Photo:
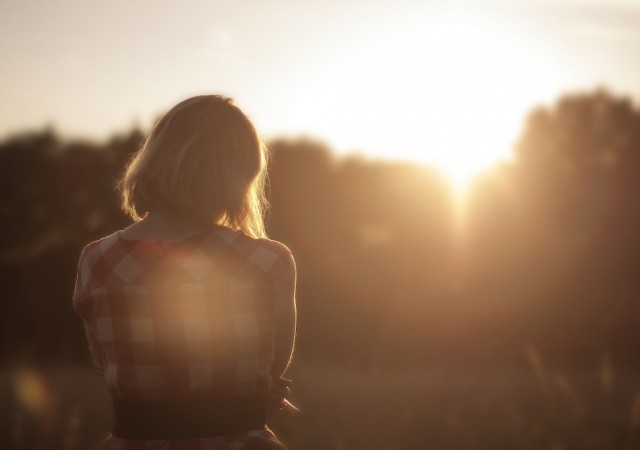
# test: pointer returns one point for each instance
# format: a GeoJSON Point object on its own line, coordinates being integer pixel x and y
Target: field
{"type": "Point", "coordinates": [526, 408]}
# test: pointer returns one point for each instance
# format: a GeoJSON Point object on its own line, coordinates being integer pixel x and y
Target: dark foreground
{"type": "Point", "coordinates": [528, 408]}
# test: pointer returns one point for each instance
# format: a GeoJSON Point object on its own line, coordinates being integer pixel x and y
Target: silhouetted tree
{"type": "Point", "coordinates": [547, 253]}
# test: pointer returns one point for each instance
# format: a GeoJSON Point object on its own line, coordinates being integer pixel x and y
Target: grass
{"type": "Point", "coordinates": [343, 408]}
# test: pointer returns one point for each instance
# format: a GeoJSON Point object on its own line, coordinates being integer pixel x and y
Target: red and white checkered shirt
{"type": "Point", "coordinates": [188, 318]}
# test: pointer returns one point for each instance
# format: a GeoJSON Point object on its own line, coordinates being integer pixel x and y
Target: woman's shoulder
{"type": "Point", "coordinates": [276, 260]}
{"type": "Point", "coordinates": [268, 252]}
{"type": "Point", "coordinates": [274, 246]}
{"type": "Point", "coordinates": [97, 246]}
{"type": "Point", "coordinates": [270, 255]}
{"type": "Point", "coordinates": [88, 265]}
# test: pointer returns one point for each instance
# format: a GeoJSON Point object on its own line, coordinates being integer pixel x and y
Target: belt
{"type": "Point", "coordinates": [187, 418]}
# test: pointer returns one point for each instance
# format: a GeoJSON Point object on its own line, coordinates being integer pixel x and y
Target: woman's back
{"type": "Point", "coordinates": [173, 317]}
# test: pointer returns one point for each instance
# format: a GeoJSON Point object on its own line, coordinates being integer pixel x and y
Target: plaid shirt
{"type": "Point", "coordinates": [190, 318]}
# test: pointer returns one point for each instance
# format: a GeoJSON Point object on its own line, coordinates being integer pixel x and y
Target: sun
{"type": "Point", "coordinates": [451, 92]}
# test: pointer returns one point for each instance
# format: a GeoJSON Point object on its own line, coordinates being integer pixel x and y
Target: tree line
{"type": "Point", "coordinates": [546, 252]}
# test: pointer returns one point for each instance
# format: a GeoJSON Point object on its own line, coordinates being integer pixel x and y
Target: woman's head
{"type": "Point", "coordinates": [204, 161]}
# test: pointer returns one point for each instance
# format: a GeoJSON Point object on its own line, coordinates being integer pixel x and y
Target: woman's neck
{"type": "Point", "coordinates": [163, 224]}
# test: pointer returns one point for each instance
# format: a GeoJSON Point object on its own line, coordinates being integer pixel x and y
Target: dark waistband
{"type": "Point", "coordinates": [187, 418]}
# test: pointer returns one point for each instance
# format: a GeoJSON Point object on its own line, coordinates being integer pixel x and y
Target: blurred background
{"type": "Point", "coordinates": [458, 182]}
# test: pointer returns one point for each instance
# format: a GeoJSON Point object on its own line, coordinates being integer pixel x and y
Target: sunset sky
{"type": "Point", "coordinates": [419, 80]}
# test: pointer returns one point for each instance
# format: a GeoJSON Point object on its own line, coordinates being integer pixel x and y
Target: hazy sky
{"type": "Point", "coordinates": [357, 74]}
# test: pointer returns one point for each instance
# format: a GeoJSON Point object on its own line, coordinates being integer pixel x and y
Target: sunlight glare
{"type": "Point", "coordinates": [452, 93]}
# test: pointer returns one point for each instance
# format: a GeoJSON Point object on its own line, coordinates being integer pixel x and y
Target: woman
{"type": "Point", "coordinates": [190, 312]}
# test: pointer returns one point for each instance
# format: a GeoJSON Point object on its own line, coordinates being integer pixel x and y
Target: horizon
{"type": "Point", "coordinates": [389, 81]}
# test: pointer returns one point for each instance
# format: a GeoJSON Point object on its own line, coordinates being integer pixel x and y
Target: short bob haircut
{"type": "Point", "coordinates": [204, 161]}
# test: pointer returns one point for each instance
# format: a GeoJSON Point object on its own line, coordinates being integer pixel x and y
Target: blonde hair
{"type": "Point", "coordinates": [203, 160]}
